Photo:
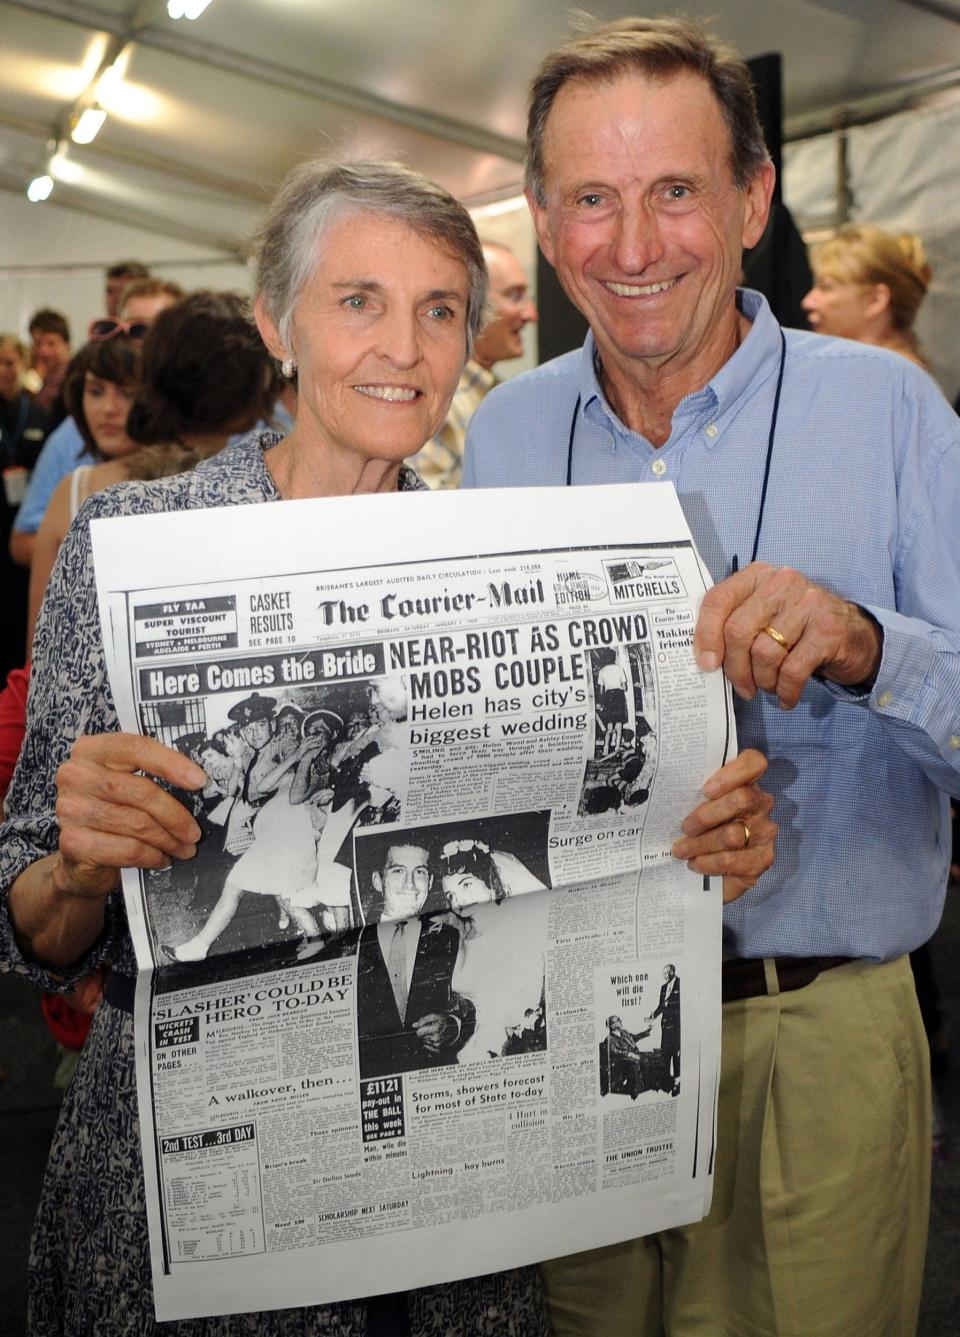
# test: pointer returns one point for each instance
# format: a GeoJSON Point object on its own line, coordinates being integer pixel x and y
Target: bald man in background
{"type": "Point", "coordinates": [440, 461]}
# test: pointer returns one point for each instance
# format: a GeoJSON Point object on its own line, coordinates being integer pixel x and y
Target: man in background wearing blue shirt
{"type": "Point", "coordinates": [63, 450]}
{"type": "Point", "coordinates": [838, 466]}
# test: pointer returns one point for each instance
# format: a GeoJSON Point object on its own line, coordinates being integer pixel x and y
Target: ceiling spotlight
{"type": "Point", "coordinates": [88, 125]}
{"type": "Point", "coordinates": [186, 9]}
{"type": "Point", "coordinates": [40, 188]}
{"type": "Point", "coordinates": [108, 85]}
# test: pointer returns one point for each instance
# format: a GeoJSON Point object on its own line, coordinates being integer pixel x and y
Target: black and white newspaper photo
{"type": "Point", "coordinates": [413, 1011]}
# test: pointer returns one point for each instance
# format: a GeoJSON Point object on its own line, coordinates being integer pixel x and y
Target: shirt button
{"type": "Point", "coordinates": [955, 740]}
{"type": "Point", "coordinates": [712, 430]}
{"type": "Point", "coordinates": [659, 467]}
{"type": "Point", "coordinates": [884, 699]}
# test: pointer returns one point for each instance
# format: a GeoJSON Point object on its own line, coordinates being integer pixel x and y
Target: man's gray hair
{"type": "Point", "coordinates": [317, 194]}
{"type": "Point", "coordinates": [658, 49]}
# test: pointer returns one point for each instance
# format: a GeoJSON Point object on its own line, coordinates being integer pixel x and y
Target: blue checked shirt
{"type": "Point", "coordinates": [864, 498]}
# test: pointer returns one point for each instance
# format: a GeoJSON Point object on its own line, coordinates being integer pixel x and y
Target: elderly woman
{"type": "Point", "coordinates": [370, 284]}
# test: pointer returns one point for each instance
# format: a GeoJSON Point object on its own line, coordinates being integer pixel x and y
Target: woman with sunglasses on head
{"type": "Point", "coordinates": [205, 375]}
{"type": "Point", "coordinates": [143, 299]}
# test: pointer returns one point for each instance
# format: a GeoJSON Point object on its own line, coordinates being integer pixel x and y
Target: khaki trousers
{"type": "Point", "coordinates": [822, 1179]}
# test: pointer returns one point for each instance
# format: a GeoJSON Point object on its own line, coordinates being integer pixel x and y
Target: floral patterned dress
{"type": "Point", "coordinates": [90, 1268]}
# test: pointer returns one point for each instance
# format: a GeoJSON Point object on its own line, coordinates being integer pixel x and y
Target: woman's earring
{"type": "Point", "coordinates": [288, 367]}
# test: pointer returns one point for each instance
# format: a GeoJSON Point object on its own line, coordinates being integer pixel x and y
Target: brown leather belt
{"type": "Point", "coordinates": [742, 978]}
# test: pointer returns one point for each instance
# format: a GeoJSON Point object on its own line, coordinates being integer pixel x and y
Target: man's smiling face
{"type": "Point", "coordinates": [643, 221]}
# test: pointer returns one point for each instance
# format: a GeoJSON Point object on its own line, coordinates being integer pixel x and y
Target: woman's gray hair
{"type": "Point", "coordinates": [317, 194]}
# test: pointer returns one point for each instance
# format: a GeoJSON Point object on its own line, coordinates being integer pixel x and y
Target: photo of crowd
{"type": "Point", "coordinates": [290, 775]}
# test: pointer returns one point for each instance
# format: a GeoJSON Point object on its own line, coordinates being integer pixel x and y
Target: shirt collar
{"type": "Point", "coordinates": [475, 375]}
{"type": "Point", "coordinates": [756, 358]}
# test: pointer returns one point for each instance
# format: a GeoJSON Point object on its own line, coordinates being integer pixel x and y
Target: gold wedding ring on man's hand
{"type": "Point", "coordinates": [746, 833]}
{"type": "Point", "coordinates": [777, 636]}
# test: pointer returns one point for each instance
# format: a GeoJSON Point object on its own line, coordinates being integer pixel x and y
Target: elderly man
{"type": "Point", "coordinates": [624, 1067]}
{"type": "Point", "coordinates": [440, 461]}
{"type": "Point", "coordinates": [838, 465]}
{"type": "Point", "coordinates": [408, 1016]}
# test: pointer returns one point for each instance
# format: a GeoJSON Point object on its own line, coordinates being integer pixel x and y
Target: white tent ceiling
{"type": "Point", "coordinates": [206, 116]}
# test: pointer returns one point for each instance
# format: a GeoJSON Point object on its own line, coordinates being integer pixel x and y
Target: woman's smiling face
{"type": "Point", "coordinates": [379, 338]}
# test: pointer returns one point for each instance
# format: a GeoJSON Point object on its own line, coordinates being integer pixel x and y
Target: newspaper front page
{"type": "Point", "coordinates": [413, 1012]}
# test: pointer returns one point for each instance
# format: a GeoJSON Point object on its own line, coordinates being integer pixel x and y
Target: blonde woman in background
{"type": "Point", "coordinates": [868, 286]}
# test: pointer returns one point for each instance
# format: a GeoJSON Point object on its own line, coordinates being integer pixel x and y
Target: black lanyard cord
{"type": "Point", "coordinates": [572, 434]}
{"type": "Point", "coordinates": [769, 460]}
{"type": "Point", "coordinates": [767, 463]}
